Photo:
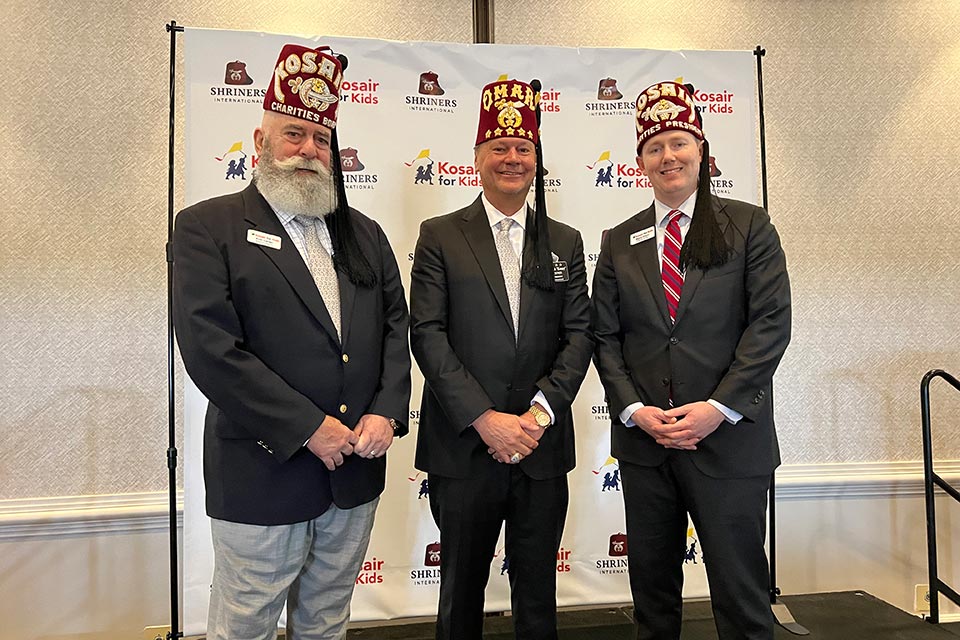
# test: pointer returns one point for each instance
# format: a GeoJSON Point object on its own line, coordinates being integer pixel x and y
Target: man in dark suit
{"type": "Point", "coordinates": [691, 309]}
{"type": "Point", "coordinates": [500, 329]}
{"type": "Point", "coordinates": [291, 320]}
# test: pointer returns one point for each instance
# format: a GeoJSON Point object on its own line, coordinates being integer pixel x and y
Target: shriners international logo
{"type": "Point", "coordinates": [721, 186]}
{"type": "Point", "coordinates": [609, 100]}
{"type": "Point", "coordinates": [238, 89]}
{"type": "Point", "coordinates": [610, 470]}
{"type": "Point", "coordinates": [440, 173]}
{"type": "Point", "coordinates": [621, 175]}
{"type": "Point", "coordinates": [371, 572]}
{"type": "Point", "coordinates": [616, 562]}
{"type": "Point", "coordinates": [236, 73]}
{"type": "Point", "coordinates": [236, 159]}
{"type": "Point", "coordinates": [430, 84]}
{"type": "Point", "coordinates": [430, 574]}
{"type": "Point", "coordinates": [428, 96]}
{"type": "Point", "coordinates": [354, 174]}
{"type": "Point", "coordinates": [607, 90]}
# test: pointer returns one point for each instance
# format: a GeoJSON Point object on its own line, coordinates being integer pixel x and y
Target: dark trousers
{"type": "Point", "coordinates": [730, 518]}
{"type": "Point", "coordinates": [469, 513]}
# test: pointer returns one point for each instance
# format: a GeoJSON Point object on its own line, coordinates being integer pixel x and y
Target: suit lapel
{"type": "Point", "coordinates": [645, 253]}
{"type": "Point", "coordinates": [477, 232]}
{"type": "Point", "coordinates": [287, 259]}
{"type": "Point", "coordinates": [693, 276]}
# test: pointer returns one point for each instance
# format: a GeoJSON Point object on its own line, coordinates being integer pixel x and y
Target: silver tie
{"type": "Point", "coordinates": [510, 265]}
{"type": "Point", "coordinates": [320, 263]}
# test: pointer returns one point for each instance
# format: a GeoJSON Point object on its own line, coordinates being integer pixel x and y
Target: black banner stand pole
{"type": "Point", "coordinates": [174, 633]}
{"type": "Point", "coordinates": [780, 612]}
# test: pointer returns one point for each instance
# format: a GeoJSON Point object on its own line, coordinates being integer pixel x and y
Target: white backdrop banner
{"type": "Point", "coordinates": [406, 128]}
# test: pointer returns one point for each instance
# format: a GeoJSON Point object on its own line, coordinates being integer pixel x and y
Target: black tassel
{"type": "Point", "coordinates": [348, 258]}
{"type": "Point", "coordinates": [704, 247]}
{"type": "Point", "coordinates": [539, 274]}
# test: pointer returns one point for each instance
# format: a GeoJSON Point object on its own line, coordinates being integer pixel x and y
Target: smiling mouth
{"type": "Point", "coordinates": [671, 170]}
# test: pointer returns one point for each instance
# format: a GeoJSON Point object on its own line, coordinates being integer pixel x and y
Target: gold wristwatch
{"type": "Point", "coordinates": [542, 417]}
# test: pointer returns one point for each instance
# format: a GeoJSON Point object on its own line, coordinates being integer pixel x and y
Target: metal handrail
{"type": "Point", "coordinates": [930, 478]}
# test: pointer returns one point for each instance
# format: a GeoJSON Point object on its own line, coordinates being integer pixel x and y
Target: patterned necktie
{"type": "Point", "coordinates": [510, 265]}
{"type": "Point", "coordinates": [320, 263]}
{"type": "Point", "coordinates": [670, 266]}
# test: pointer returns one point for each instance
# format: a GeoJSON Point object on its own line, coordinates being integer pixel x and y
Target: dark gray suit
{"type": "Point", "coordinates": [732, 327]}
{"type": "Point", "coordinates": [257, 340]}
{"type": "Point", "coordinates": [463, 340]}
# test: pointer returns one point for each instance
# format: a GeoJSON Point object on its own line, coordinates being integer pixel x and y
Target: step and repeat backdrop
{"type": "Point", "coordinates": [407, 124]}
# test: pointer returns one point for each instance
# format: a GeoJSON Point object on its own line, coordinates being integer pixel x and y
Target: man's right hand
{"type": "Point", "coordinates": [653, 420]}
{"type": "Point", "coordinates": [331, 442]}
{"type": "Point", "coordinates": [503, 433]}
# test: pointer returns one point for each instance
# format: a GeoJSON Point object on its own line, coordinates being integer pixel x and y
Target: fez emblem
{"type": "Point", "coordinates": [509, 117]}
{"type": "Point", "coordinates": [313, 93]}
{"type": "Point", "coordinates": [664, 110]}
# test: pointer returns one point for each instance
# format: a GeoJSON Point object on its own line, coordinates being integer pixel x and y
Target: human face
{"type": "Point", "coordinates": [507, 168]}
{"type": "Point", "coordinates": [289, 137]}
{"type": "Point", "coordinates": [671, 161]}
{"type": "Point", "coordinates": [299, 182]}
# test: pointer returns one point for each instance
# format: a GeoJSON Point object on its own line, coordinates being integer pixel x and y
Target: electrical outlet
{"type": "Point", "coordinates": [156, 633]}
{"type": "Point", "coordinates": [921, 599]}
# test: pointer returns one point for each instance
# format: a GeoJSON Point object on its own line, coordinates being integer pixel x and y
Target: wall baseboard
{"type": "Point", "coordinates": [87, 515]}
{"type": "Point", "coordinates": [147, 512]}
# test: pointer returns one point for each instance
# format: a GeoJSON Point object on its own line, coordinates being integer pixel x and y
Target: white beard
{"type": "Point", "coordinates": [294, 192]}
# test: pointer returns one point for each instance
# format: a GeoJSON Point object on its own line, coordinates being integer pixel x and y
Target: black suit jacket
{"type": "Point", "coordinates": [256, 338]}
{"type": "Point", "coordinates": [462, 338]}
{"type": "Point", "coordinates": [732, 327]}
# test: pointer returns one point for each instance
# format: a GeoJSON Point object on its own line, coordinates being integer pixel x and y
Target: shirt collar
{"type": "Point", "coordinates": [494, 215]}
{"type": "Point", "coordinates": [662, 210]}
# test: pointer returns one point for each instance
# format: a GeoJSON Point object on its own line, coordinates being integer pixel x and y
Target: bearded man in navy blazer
{"type": "Point", "coordinates": [691, 309]}
{"type": "Point", "coordinates": [500, 328]}
{"type": "Point", "coordinates": [291, 320]}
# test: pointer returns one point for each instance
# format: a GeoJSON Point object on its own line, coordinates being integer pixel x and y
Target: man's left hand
{"type": "Point", "coordinates": [695, 421]}
{"type": "Point", "coordinates": [375, 436]}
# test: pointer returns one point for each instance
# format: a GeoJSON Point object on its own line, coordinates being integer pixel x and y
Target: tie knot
{"type": "Point", "coordinates": [504, 225]}
{"type": "Point", "coordinates": [674, 216]}
{"type": "Point", "coordinates": [305, 221]}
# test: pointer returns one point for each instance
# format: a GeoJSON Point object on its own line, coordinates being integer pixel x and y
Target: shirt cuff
{"type": "Point", "coordinates": [542, 401]}
{"type": "Point", "coordinates": [625, 415]}
{"type": "Point", "coordinates": [731, 416]}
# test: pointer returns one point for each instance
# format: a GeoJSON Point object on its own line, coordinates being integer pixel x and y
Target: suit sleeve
{"type": "Point", "coordinates": [605, 313]}
{"type": "Point", "coordinates": [561, 384]}
{"type": "Point", "coordinates": [210, 336]}
{"type": "Point", "coordinates": [393, 392]}
{"type": "Point", "coordinates": [460, 394]}
{"type": "Point", "coordinates": [767, 334]}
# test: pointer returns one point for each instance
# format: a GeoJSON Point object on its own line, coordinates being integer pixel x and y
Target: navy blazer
{"type": "Point", "coordinates": [256, 338]}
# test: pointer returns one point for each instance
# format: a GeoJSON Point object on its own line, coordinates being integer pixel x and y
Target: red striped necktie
{"type": "Point", "coordinates": [670, 266]}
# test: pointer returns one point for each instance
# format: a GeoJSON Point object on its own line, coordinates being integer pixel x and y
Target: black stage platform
{"type": "Point", "coordinates": [848, 615]}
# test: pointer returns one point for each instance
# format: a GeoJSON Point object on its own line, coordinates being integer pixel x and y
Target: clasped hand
{"type": "Point", "coordinates": [333, 440]}
{"type": "Point", "coordinates": [506, 434]}
{"type": "Point", "coordinates": [681, 427]}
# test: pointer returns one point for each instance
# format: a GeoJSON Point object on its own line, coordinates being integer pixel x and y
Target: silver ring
{"type": "Point", "coordinates": [373, 454]}
{"type": "Point", "coordinates": [515, 458]}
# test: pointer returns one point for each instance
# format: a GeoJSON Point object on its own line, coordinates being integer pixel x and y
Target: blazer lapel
{"type": "Point", "coordinates": [692, 278]}
{"type": "Point", "coordinates": [287, 259]}
{"type": "Point", "coordinates": [477, 232]}
{"type": "Point", "coordinates": [645, 253]}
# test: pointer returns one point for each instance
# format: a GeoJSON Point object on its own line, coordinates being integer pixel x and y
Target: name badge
{"type": "Point", "coordinates": [560, 271]}
{"type": "Point", "coordinates": [641, 236]}
{"type": "Point", "coordinates": [263, 239]}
